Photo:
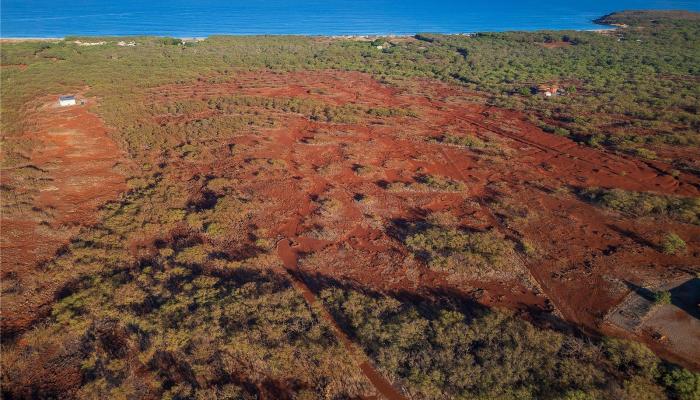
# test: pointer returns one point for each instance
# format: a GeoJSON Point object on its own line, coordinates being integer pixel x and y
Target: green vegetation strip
{"type": "Point", "coordinates": [641, 204]}
{"type": "Point", "coordinates": [442, 352]}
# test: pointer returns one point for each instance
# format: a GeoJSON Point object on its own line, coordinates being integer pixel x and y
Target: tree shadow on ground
{"type": "Point", "coordinates": [646, 294]}
{"type": "Point", "coordinates": [632, 235]}
{"type": "Point", "coordinates": [431, 301]}
{"type": "Point", "coordinates": [686, 296]}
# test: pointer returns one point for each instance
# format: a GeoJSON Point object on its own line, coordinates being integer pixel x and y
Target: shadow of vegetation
{"type": "Point", "coordinates": [430, 302]}
{"type": "Point", "coordinates": [632, 235]}
{"type": "Point", "coordinates": [204, 200]}
{"type": "Point", "coordinates": [643, 292]}
{"type": "Point", "coordinates": [401, 228]}
{"type": "Point", "coordinates": [686, 296]}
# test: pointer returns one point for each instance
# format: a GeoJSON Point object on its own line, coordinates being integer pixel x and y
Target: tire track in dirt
{"type": "Point", "coordinates": [672, 186]}
{"type": "Point", "coordinates": [287, 252]}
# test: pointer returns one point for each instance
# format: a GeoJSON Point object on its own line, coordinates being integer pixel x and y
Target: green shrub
{"type": "Point", "coordinates": [440, 183]}
{"type": "Point", "coordinates": [683, 209]}
{"type": "Point", "coordinates": [454, 250]}
{"type": "Point", "coordinates": [561, 132]}
{"type": "Point", "coordinates": [632, 358]}
{"type": "Point", "coordinates": [672, 244]}
{"type": "Point", "coordinates": [470, 141]}
{"type": "Point", "coordinates": [662, 297]}
{"type": "Point", "coordinates": [527, 248]}
{"type": "Point", "coordinates": [681, 383]}
{"type": "Point", "coordinates": [192, 255]}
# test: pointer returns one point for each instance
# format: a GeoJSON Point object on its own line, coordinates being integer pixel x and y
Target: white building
{"type": "Point", "coordinates": [64, 101]}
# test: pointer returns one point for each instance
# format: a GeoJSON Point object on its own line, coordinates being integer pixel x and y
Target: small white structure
{"type": "Point", "coordinates": [65, 101]}
{"type": "Point", "coordinates": [81, 43]}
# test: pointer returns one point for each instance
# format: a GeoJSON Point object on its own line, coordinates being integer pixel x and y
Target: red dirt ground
{"type": "Point", "coordinates": [519, 185]}
{"type": "Point", "coordinates": [556, 45]}
{"type": "Point", "coordinates": [21, 67]}
{"type": "Point", "coordinates": [75, 161]}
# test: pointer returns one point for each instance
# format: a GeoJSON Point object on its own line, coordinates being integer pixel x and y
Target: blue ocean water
{"type": "Point", "coordinates": [183, 18]}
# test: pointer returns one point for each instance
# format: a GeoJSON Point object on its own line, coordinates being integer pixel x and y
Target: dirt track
{"type": "Point", "coordinates": [288, 254]}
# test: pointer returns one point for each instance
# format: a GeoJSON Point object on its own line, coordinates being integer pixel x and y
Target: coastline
{"type": "Point", "coordinates": [602, 27]}
{"type": "Point", "coordinates": [359, 37]}
{"type": "Point", "coordinates": [30, 39]}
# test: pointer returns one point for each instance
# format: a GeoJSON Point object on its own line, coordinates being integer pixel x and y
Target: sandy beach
{"type": "Point", "coordinates": [30, 39]}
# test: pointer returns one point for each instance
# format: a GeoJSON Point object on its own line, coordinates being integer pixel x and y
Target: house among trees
{"type": "Point", "coordinates": [65, 101]}
{"type": "Point", "coordinates": [550, 90]}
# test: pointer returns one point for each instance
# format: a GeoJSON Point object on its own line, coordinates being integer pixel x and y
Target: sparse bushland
{"type": "Point", "coordinates": [611, 94]}
{"type": "Point", "coordinates": [470, 141]}
{"type": "Point", "coordinates": [391, 112]}
{"type": "Point", "coordinates": [647, 80]}
{"type": "Point", "coordinates": [683, 209]}
{"type": "Point", "coordinates": [362, 170]}
{"type": "Point", "coordinates": [171, 293]}
{"type": "Point", "coordinates": [439, 352]}
{"type": "Point", "coordinates": [167, 308]}
{"type": "Point", "coordinates": [440, 183]}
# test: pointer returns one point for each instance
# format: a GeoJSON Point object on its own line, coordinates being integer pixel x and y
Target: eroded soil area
{"type": "Point", "coordinates": [73, 167]}
{"type": "Point", "coordinates": [346, 192]}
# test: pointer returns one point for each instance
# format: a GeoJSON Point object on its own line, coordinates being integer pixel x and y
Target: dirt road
{"type": "Point", "coordinates": [288, 255]}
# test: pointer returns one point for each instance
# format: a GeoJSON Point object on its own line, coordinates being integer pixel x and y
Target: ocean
{"type": "Point", "coordinates": [181, 18]}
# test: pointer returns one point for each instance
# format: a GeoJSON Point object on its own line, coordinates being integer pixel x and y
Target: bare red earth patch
{"type": "Point", "coordinates": [72, 169]}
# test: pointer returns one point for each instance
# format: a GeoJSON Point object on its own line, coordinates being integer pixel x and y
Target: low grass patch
{"type": "Point", "coordinates": [662, 297]}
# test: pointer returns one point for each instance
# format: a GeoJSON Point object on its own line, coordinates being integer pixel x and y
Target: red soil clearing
{"type": "Point", "coordinates": [332, 193]}
{"type": "Point", "coordinates": [556, 45]}
{"type": "Point", "coordinates": [76, 159]}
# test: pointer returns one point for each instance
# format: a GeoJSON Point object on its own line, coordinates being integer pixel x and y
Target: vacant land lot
{"type": "Point", "coordinates": [336, 222]}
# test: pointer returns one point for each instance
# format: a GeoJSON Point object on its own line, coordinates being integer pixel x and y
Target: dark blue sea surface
{"type": "Point", "coordinates": [44, 18]}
